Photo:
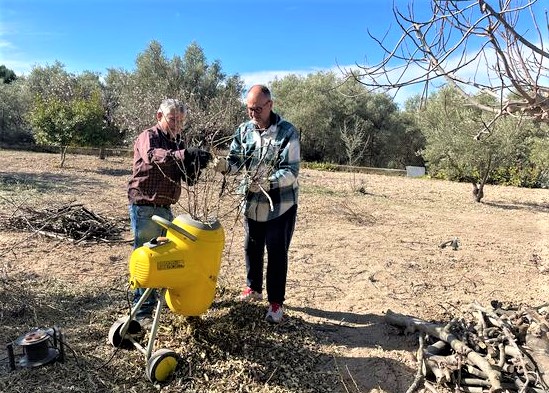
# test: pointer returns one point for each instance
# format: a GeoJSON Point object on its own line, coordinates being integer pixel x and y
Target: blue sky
{"type": "Point", "coordinates": [257, 39]}
{"type": "Point", "coordinates": [254, 38]}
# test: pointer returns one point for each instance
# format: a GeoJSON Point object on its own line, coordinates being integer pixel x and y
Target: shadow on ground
{"type": "Point", "coordinates": [44, 182]}
{"type": "Point", "coordinates": [369, 339]}
{"type": "Point", "coordinates": [541, 208]}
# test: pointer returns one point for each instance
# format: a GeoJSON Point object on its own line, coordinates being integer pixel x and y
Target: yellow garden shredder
{"type": "Point", "coordinates": [183, 268]}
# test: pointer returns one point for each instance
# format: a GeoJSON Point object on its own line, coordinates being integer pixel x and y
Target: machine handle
{"type": "Point", "coordinates": [170, 225]}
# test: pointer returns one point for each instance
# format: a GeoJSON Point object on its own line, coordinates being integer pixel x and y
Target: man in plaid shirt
{"type": "Point", "coordinates": [161, 162]}
{"type": "Point", "coordinates": [267, 149]}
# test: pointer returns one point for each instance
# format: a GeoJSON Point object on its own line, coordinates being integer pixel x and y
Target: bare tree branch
{"type": "Point", "coordinates": [474, 46]}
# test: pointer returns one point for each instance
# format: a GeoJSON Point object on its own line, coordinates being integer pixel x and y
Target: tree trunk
{"type": "Point", "coordinates": [478, 192]}
{"type": "Point", "coordinates": [63, 155]}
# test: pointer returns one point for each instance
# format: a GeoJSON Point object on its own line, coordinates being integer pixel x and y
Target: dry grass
{"type": "Point", "coordinates": [354, 255]}
{"type": "Point", "coordinates": [228, 349]}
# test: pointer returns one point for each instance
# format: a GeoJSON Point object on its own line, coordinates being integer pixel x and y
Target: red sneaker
{"type": "Point", "coordinates": [249, 295]}
{"type": "Point", "coordinates": [275, 313]}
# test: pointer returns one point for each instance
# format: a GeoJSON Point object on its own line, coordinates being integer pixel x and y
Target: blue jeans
{"type": "Point", "coordinates": [144, 229]}
{"type": "Point", "coordinates": [276, 236]}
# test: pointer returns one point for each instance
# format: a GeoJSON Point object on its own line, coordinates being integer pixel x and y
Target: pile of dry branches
{"type": "Point", "coordinates": [487, 350]}
{"type": "Point", "coordinates": [72, 222]}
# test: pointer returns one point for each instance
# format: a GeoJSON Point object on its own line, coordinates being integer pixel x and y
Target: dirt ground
{"type": "Point", "coordinates": [353, 257]}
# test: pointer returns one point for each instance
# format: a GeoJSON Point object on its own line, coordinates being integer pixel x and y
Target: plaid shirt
{"type": "Point", "coordinates": [157, 169]}
{"type": "Point", "coordinates": [272, 154]}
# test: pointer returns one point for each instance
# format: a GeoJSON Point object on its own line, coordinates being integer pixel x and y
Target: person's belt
{"type": "Point", "coordinates": [155, 205]}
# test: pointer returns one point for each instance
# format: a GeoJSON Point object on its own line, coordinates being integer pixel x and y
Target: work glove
{"type": "Point", "coordinates": [260, 185]}
{"type": "Point", "coordinates": [191, 174]}
{"type": "Point", "coordinates": [220, 164]}
{"type": "Point", "coordinates": [193, 156]}
{"type": "Point", "coordinates": [194, 160]}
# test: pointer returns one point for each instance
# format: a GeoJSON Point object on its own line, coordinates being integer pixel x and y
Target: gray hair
{"type": "Point", "coordinates": [169, 105]}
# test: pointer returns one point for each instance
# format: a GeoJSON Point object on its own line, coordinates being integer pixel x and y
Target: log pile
{"type": "Point", "coordinates": [72, 222]}
{"type": "Point", "coordinates": [488, 349]}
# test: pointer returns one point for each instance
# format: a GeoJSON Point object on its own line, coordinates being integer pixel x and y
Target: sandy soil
{"type": "Point", "coordinates": [354, 255]}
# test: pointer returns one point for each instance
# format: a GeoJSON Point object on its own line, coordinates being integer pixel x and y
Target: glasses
{"type": "Point", "coordinates": [257, 109]}
{"type": "Point", "coordinates": [174, 119]}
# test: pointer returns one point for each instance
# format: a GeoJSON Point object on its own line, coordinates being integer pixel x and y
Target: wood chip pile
{"type": "Point", "coordinates": [493, 349]}
{"type": "Point", "coordinates": [72, 222]}
{"type": "Point", "coordinates": [229, 349]}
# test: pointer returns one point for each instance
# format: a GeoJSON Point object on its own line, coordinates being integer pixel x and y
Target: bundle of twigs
{"type": "Point", "coordinates": [487, 350]}
{"type": "Point", "coordinates": [72, 222]}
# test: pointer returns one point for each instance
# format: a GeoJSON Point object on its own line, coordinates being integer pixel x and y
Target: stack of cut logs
{"type": "Point", "coordinates": [488, 349]}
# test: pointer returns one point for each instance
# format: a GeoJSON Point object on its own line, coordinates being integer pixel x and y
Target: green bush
{"type": "Point", "coordinates": [529, 176]}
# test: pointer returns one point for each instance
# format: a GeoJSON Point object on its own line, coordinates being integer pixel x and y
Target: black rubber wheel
{"type": "Point", "coordinates": [114, 333]}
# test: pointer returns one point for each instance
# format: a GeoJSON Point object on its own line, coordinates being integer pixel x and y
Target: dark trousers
{"type": "Point", "coordinates": [276, 236]}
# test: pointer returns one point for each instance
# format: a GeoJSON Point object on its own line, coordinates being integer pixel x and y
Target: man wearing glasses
{"type": "Point", "coordinates": [267, 149]}
{"type": "Point", "coordinates": [160, 164]}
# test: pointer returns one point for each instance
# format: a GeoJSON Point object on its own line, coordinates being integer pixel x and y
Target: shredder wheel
{"type": "Point", "coordinates": [161, 365]}
{"type": "Point", "coordinates": [114, 333]}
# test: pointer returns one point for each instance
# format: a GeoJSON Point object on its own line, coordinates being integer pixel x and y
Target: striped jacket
{"type": "Point", "coordinates": [273, 154]}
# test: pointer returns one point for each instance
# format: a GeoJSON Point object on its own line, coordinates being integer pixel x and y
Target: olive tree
{"type": "Point", "coordinates": [213, 98]}
{"type": "Point", "coordinates": [339, 118]}
{"type": "Point", "coordinates": [66, 109]}
{"type": "Point", "coordinates": [14, 104]}
{"type": "Point", "coordinates": [7, 75]}
{"type": "Point", "coordinates": [449, 124]}
{"type": "Point", "coordinates": [312, 104]}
